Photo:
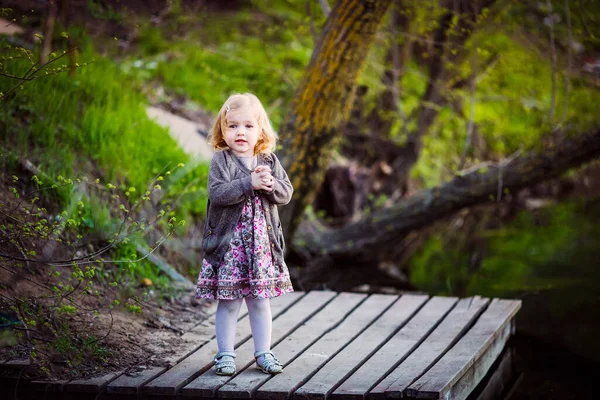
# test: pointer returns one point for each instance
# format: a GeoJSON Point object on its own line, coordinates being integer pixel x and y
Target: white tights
{"type": "Point", "coordinates": [259, 311]}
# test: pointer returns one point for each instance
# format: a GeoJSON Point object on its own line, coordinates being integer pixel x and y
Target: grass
{"type": "Point", "coordinates": [265, 53]}
{"type": "Point", "coordinates": [94, 125]}
{"type": "Point", "coordinates": [98, 114]}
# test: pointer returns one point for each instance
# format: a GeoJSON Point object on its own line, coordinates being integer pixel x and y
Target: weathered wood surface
{"type": "Point", "coordinates": [397, 348]}
{"type": "Point", "coordinates": [189, 368]}
{"type": "Point", "coordinates": [243, 385]}
{"type": "Point", "coordinates": [445, 336]}
{"type": "Point", "coordinates": [130, 383]}
{"type": "Point", "coordinates": [16, 364]}
{"type": "Point", "coordinates": [337, 345]}
{"type": "Point", "coordinates": [502, 380]}
{"type": "Point", "coordinates": [93, 385]}
{"type": "Point", "coordinates": [207, 384]}
{"type": "Point", "coordinates": [475, 349]}
{"type": "Point", "coordinates": [302, 368]}
{"type": "Point", "coordinates": [48, 386]}
{"type": "Point", "coordinates": [353, 355]}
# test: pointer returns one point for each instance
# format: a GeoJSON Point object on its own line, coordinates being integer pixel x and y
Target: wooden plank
{"type": "Point", "coordinates": [452, 328]}
{"type": "Point", "coordinates": [303, 367]}
{"type": "Point", "coordinates": [93, 385]}
{"type": "Point", "coordinates": [352, 356]}
{"type": "Point", "coordinates": [503, 378]}
{"type": "Point", "coordinates": [16, 364]}
{"type": "Point", "coordinates": [207, 384]}
{"type": "Point", "coordinates": [475, 374]}
{"type": "Point", "coordinates": [48, 386]}
{"type": "Point", "coordinates": [396, 349]}
{"type": "Point", "coordinates": [244, 384]}
{"type": "Point", "coordinates": [490, 332]}
{"type": "Point", "coordinates": [14, 369]}
{"type": "Point", "coordinates": [198, 362]}
{"type": "Point", "coordinates": [131, 383]}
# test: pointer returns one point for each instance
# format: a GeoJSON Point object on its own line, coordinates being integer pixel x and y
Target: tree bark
{"type": "Point", "coordinates": [375, 234]}
{"type": "Point", "coordinates": [48, 31]}
{"type": "Point", "coordinates": [388, 107]}
{"type": "Point", "coordinates": [324, 98]}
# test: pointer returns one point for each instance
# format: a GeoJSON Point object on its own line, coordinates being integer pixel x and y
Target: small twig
{"type": "Point", "coordinates": [14, 20]}
{"type": "Point", "coordinates": [112, 320]}
{"type": "Point", "coordinates": [472, 102]}
{"type": "Point", "coordinates": [22, 250]}
{"type": "Point", "coordinates": [15, 77]}
{"type": "Point", "coordinates": [313, 28]}
{"type": "Point", "coordinates": [325, 7]}
{"type": "Point", "coordinates": [485, 164]}
{"type": "Point", "coordinates": [31, 73]}
{"type": "Point", "coordinates": [501, 165]}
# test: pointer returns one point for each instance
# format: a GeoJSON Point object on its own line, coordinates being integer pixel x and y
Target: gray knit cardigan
{"type": "Point", "coordinates": [229, 185]}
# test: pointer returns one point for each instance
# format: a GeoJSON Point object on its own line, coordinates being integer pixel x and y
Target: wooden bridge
{"type": "Point", "coordinates": [334, 345]}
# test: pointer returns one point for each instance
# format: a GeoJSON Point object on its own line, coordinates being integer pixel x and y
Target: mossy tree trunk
{"type": "Point", "coordinates": [324, 99]}
{"type": "Point", "coordinates": [363, 242]}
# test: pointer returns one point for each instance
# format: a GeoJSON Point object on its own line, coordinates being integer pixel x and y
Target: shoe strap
{"type": "Point", "coordinates": [262, 353]}
{"type": "Point", "coordinates": [225, 354]}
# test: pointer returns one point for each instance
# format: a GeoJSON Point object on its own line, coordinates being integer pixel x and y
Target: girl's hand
{"type": "Point", "coordinates": [262, 178]}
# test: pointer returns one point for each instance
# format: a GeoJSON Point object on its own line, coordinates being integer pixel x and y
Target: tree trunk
{"type": "Point", "coordinates": [48, 31]}
{"type": "Point", "coordinates": [323, 100]}
{"type": "Point", "coordinates": [454, 28]}
{"type": "Point", "coordinates": [388, 107]}
{"type": "Point", "coordinates": [361, 242]}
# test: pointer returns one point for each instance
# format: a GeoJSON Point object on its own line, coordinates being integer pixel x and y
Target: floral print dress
{"type": "Point", "coordinates": [247, 268]}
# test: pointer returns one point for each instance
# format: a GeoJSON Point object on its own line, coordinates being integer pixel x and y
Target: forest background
{"type": "Point", "coordinates": [422, 173]}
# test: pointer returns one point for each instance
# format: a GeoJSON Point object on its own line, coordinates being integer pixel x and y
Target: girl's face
{"type": "Point", "coordinates": [241, 132]}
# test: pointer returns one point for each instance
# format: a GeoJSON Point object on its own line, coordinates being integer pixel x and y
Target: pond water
{"type": "Point", "coordinates": [550, 259]}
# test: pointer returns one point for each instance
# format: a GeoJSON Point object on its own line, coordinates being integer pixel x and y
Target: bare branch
{"type": "Point", "coordinates": [15, 77]}
{"type": "Point", "coordinates": [30, 74]}
{"type": "Point", "coordinates": [313, 28]}
{"type": "Point", "coordinates": [472, 102]}
{"type": "Point", "coordinates": [396, 71]}
{"type": "Point", "coordinates": [48, 31]}
{"type": "Point", "coordinates": [325, 7]}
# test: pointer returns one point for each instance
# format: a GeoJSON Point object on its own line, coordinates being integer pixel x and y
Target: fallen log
{"type": "Point", "coordinates": [376, 233]}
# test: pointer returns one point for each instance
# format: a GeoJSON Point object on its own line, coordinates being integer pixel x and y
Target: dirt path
{"type": "Point", "coordinates": [8, 28]}
{"type": "Point", "coordinates": [184, 131]}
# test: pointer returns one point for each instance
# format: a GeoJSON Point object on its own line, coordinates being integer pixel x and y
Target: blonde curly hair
{"type": "Point", "coordinates": [267, 138]}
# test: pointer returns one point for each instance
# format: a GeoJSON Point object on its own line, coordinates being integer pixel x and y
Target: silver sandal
{"type": "Point", "coordinates": [225, 363]}
{"type": "Point", "coordinates": [270, 365]}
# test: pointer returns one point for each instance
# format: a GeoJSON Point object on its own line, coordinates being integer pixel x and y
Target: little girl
{"type": "Point", "coordinates": [243, 242]}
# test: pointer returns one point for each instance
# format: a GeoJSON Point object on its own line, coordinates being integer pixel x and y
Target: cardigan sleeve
{"type": "Point", "coordinates": [282, 187]}
{"type": "Point", "coordinates": [222, 190]}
